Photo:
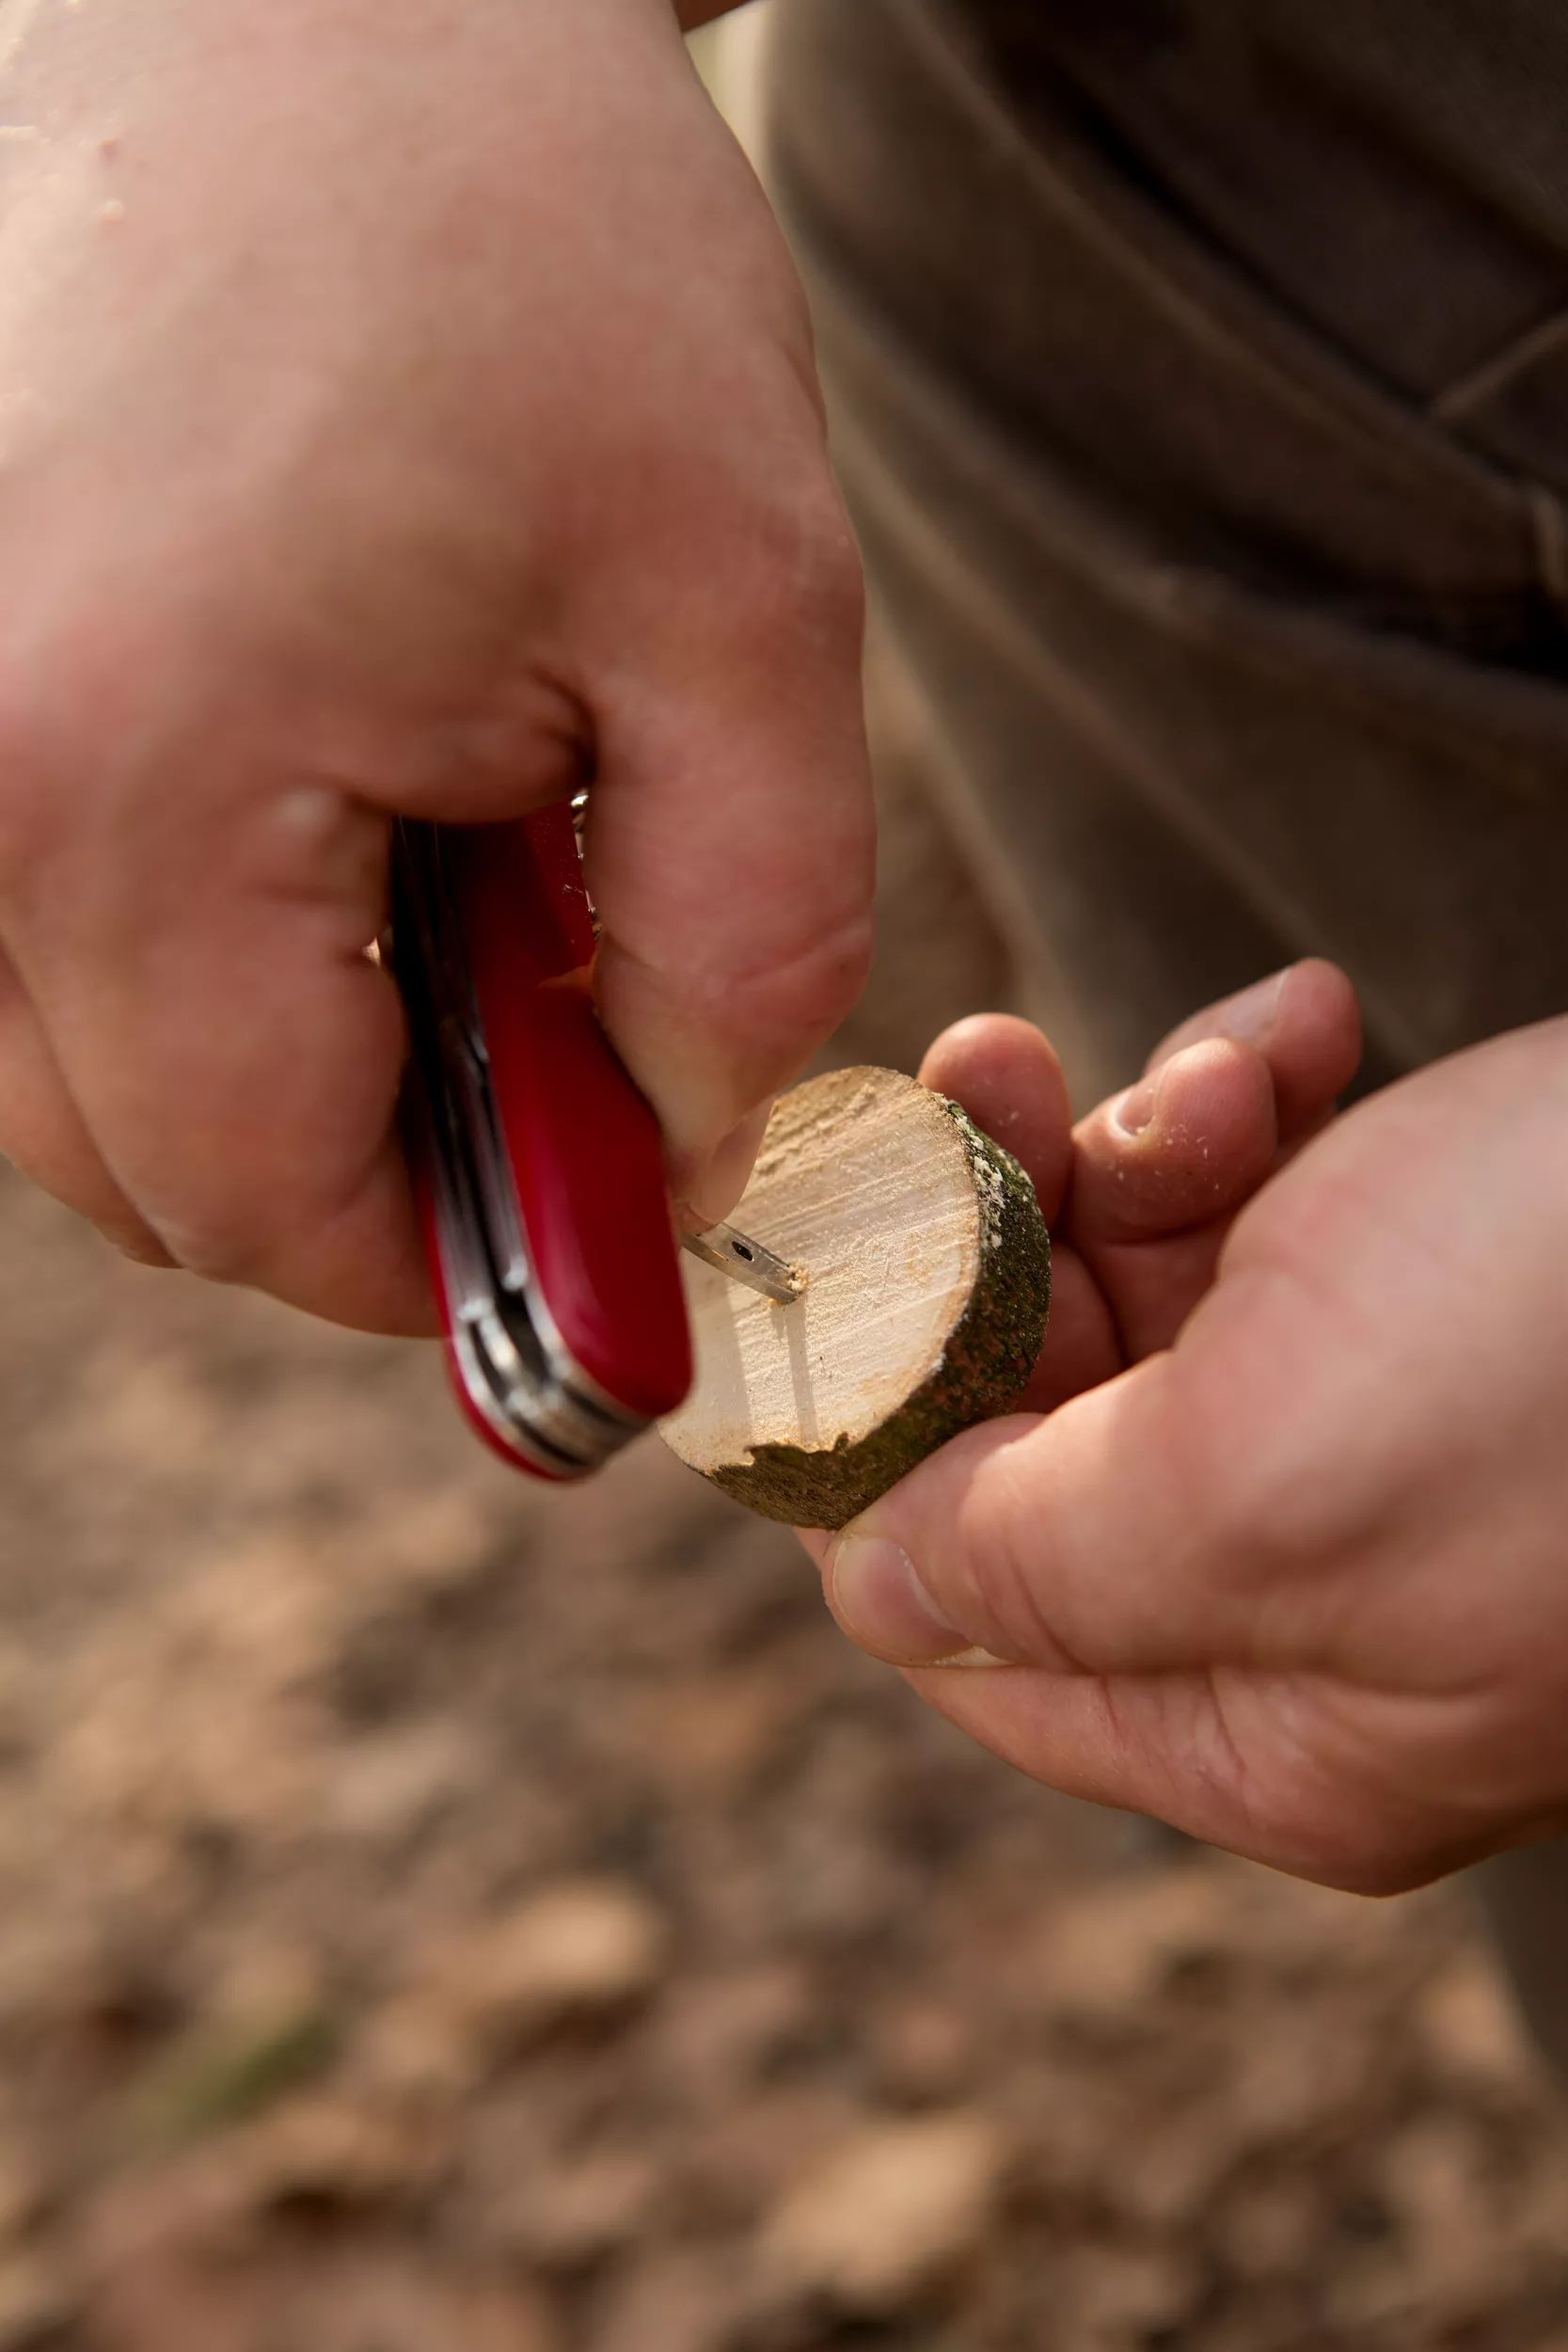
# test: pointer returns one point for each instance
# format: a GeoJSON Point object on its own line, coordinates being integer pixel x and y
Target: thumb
{"type": "Point", "coordinates": [731, 849]}
{"type": "Point", "coordinates": [1149, 1574]}
{"type": "Point", "coordinates": [1092, 1542]}
{"type": "Point", "coordinates": [1081, 1559]}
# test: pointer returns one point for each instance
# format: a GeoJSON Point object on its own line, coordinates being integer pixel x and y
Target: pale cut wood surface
{"type": "Point", "coordinates": [865, 1184]}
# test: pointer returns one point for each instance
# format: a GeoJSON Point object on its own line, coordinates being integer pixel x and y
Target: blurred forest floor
{"type": "Point", "coordinates": [437, 1915]}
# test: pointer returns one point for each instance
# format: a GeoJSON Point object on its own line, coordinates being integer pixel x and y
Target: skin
{"type": "Point", "coordinates": [402, 412]}
{"type": "Point", "coordinates": [1279, 1555]}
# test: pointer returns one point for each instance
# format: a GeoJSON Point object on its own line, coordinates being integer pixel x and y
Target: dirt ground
{"type": "Point", "coordinates": [441, 1916]}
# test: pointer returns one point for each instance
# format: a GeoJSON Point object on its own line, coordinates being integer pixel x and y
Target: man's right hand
{"type": "Point", "coordinates": [403, 408]}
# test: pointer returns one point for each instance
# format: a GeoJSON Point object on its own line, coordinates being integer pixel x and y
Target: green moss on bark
{"type": "Point", "coordinates": [984, 1369]}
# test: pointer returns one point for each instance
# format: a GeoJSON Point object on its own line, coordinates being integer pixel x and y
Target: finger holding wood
{"type": "Point", "coordinates": [926, 1281]}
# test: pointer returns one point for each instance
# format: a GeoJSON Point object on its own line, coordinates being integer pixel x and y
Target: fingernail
{"type": "Point", "coordinates": [1134, 1111]}
{"type": "Point", "coordinates": [881, 1603]}
{"type": "Point", "coordinates": [1251, 1015]}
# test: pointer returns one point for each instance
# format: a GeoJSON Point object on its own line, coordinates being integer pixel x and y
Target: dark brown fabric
{"type": "Point", "coordinates": [1200, 380]}
{"type": "Point", "coordinates": [1332, 151]}
{"type": "Point", "coordinates": [1241, 652]}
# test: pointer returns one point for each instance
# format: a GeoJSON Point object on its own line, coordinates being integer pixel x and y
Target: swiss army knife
{"type": "Point", "coordinates": [537, 1166]}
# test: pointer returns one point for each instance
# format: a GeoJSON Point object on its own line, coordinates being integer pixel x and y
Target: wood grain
{"type": "Point", "coordinates": [927, 1274]}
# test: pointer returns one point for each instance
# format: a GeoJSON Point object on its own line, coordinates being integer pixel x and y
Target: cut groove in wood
{"type": "Point", "coordinates": [928, 1280]}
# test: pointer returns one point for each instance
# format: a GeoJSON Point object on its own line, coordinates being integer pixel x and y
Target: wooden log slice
{"type": "Point", "coordinates": [927, 1276]}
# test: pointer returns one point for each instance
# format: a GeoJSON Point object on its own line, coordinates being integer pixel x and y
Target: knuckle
{"type": "Point", "coordinates": [142, 1248]}
{"type": "Point", "coordinates": [829, 578]}
{"type": "Point", "coordinates": [1236, 1528]}
{"type": "Point", "coordinates": [210, 1255]}
{"type": "Point", "coordinates": [1265, 1530]}
{"type": "Point", "coordinates": [1261, 1504]}
{"type": "Point", "coordinates": [806, 992]}
{"type": "Point", "coordinates": [220, 1245]}
{"type": "Point", "coordinates": [1247, 1521]}
{"type": "Point", "coordinates": [797, 568]}
{"type": "Point", "coordinates": [1361, 1862]}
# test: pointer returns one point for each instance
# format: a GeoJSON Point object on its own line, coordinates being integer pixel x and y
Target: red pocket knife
{"type": "Point", "coordinates": [537, 1164]}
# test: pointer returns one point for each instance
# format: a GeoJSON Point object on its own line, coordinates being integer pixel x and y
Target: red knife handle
{"type": "Point", "coordinates": [583, 1144]}
{"type": "Point", "coordinates": [536, 1165]}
